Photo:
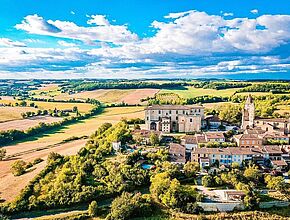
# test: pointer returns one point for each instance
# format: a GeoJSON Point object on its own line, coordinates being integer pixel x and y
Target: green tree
{"type": "Point", "coordinates": [207, 181]}
{"type": "Point", "coordinates": [191, 168]}
{"type": "Point", "coordinates": [93, 209]}
{"type": "Point", "coordinates": [252, 173]}
{"type": "Point", "coordinates": [18, 167]}
{"type": "Point", "coordinates": [154, 139]}
{"type": "Point", "coordinates": [276, 183]}
{"type": "Point", "coordinates": [2, 153]}
{"type": "Point", "coordinates": [128, 206]}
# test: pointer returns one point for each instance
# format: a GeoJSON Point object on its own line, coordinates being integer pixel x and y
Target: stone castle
{"type": "Point", "coordinates": [174, 118]}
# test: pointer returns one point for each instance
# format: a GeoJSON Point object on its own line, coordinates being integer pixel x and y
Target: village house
{"type": "Point", "coordinates": [174, 118]}
{"type": "Point", "coordinates": [212, 122]}
{"type": "Point", "coordinates": [249, 140]}
{"type": "Point", "coordinates": [272, 152]}
{"type": "Point", "coordinates": [225, 156]}
{"type": "Point", "coordinates": [177, 153]}
{"type": "Point", "coordinates": [249, 121]}
{"type": "Point", "coordinates": [214, 137]}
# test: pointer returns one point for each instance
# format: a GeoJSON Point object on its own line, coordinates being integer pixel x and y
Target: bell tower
{"type": "Point", "coordinates": [248, 113]}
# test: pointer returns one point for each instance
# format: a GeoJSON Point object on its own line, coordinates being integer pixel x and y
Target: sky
{"type": "Point", "coordinates": [66, 39]}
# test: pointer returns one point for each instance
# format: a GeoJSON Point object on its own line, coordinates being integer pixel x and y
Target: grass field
{"type": "Point", "coordinates": [191, 92]}
{"type": "Point", "coordinates": [46, 91]}
{"type": "Point", "coordinates": [85, 127]}
{"type": "Point", "coordinates": [13, 113]}
{"type": "Point", "coordinates": [82, 107]}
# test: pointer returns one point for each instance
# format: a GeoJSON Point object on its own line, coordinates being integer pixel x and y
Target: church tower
{"type": "Point", "coordinates": [248, 113]}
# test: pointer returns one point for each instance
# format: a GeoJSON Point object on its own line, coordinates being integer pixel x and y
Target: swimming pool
{"type": "Point", "coordinates": [147, 166]}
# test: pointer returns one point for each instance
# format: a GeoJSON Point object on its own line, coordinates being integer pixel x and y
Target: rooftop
{"type": "Point", "coordinates": [174, 107]}
{"type": "Point", "coordinates": [278, 162]}
{"type": "Point", "coordinates": [272, 149]}
{"type": "Point", "coordinates": [227, 151]}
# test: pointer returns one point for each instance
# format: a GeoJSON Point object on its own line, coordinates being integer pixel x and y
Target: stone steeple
{"type": "Point", "coordinates": [248, 113]}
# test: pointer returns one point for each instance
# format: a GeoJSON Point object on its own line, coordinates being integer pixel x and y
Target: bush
{"type": "Point", "coordinates": [93, 209]}
{"type": "Point", "coordinates": [37, 160]}
{"type": "Point", "coordinates": [130, 205]}
{"type": "Point", "coordinates": [18, 167]}
{"type": "Point", "coordinates": [2, 154]}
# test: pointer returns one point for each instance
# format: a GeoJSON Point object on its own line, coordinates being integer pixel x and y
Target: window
{"type": "Point", "coordinates": [190, 120]}
{"type": "Point", "coordinates": [169, 111]}
{"type": "Point", "coordinates": [159, 112]}
{"type": "Point", "coordinates": [176, 117]}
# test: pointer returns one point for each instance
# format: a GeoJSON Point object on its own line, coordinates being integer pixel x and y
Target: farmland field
{"type": "Point", "coordinates": [86, 127]}
{"type": "Point", "coordinates": [82, 107]}
{"type": "Point", "coordinates": [129, 96]}
{"type": "Point", "coordinates": [13, 113]}
{"type": "Point", "coordinates": [24, 124]}
{"type": "Point", "coordinates": [191, 92]}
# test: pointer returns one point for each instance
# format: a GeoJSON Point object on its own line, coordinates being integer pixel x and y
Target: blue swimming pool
{"type": "Point", "coordinates": [147, 166]}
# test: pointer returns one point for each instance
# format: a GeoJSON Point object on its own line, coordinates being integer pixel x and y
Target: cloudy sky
{"type": "Point", "coordinates": [144, 39]}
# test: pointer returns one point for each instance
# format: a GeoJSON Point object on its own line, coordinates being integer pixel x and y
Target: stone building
{"type": "Point", "coordinates": [248, 114]}
{"type": "Point", "coordinates": [249, 121]}
{"type": "Point", "coordinates": [174, 118]}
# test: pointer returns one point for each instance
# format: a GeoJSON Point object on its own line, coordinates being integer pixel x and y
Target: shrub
{"type": "Point", "coordinates": [18, 167]}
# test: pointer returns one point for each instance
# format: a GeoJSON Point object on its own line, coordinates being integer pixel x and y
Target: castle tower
{"type": "Point", "coordinates": [248, 113]}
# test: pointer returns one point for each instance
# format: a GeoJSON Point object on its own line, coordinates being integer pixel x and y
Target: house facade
{"type": "Point", "coordinates": [174, 118]}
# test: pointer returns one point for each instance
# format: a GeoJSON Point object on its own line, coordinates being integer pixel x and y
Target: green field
{"type": "Point", "coordinates": [191, 92]}
{"type": "Point", "coordinates": [85, 127]}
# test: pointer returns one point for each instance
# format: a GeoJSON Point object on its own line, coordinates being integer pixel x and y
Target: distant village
{"type": "Point", "coordinates": [208, 140]}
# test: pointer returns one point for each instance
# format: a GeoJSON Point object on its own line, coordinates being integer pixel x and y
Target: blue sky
{"type": "Point", "coordinates": [144, 39]}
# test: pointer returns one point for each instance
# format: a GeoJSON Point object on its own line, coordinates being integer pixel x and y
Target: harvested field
{"type": "Point", "coordinates": [135, 97]}
{"type": "Point", "coordinates": [10, 186]}
{"type": "Point", "coordinates": [24, 124]}
{"type": "Point", "coordinates": [13, 113]}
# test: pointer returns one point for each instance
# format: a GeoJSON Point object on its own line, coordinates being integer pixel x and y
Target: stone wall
{"type": "Point", "coordinates": [221, 207]}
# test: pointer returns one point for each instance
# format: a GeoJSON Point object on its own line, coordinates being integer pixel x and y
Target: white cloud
{"type": "Point", "coordinates": [99, 20]}
{"type": "Point", "coordinates": [10, 43]}
{"type": "Point", "coordinates": [255, 11]}
{"type": "Point", "coordinates": [186, 44]}
{"type": "Point", "coordinates": [228, 14]}
{"type": "Point", "coordinates": [66, 44]}
{"type": "Point", "coordinates": [117, 34]}
{"type": "Point", "coordinates": [72, 12]}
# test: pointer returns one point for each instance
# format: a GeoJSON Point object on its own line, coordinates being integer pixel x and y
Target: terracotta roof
{"type": "Point", "coordinates": [279, 163]}
{"type": "Point", "coordinates": [212, 118]}
{"type": "Point", "coordinates": [272, 149]}
{"type": "Point", "coordinates": [227, 151]}
{"type": "Point", "coordinates": [275, 135]}
{"type": "Point", "coordinates": [174, 107]}
{"type": "Point", "coordinates": [200, 138]}
{"type": "Point", "coordinates": [189, 139]}
{"type": "Point", "coordinates": [280, 120]}
{"type": "Point", "coordinates": [254, 131]}
{"type": "Point", "coordinates": [177, 153]}
{"type": "Point", "coordinates": [214, 135]}
{"type": "Point", "coordinates": [248, 136]}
